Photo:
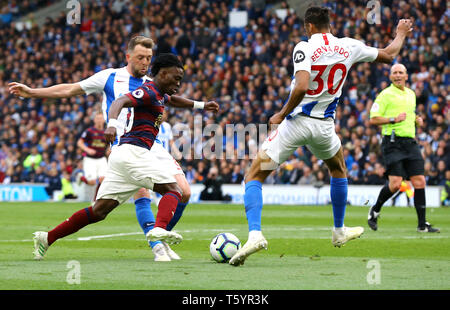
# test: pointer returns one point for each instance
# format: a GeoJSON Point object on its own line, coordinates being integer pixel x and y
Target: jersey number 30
{"type": "Point", "coordinates": [320, 82]}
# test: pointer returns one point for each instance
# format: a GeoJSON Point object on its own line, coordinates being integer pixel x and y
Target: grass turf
{"type": "Point", "coordinates": [116, 256]}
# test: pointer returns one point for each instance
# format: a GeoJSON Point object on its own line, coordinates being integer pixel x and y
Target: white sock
{"type": "Point", "coordinates": [339, 229]}
{"type": "Point", "coordinates": [254, 234]}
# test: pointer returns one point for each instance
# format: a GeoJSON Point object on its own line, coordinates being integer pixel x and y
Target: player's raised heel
{"type": "Point", "coordinates": [160, 234]}
{"type": "Point", "coordinates": [160, 253]}
{"type": "Point", "coordinates": [372, 219]}
{"type": "Point", "coordinates": [40, 244]}
{"type": "Point", "coordinates": [250, 247]}
{"type": "Point", "coordinates": [339, 238]}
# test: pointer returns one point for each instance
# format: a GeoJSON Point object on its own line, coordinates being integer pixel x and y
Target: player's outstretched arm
{"type": "Point", "coordinates": [180, 102]}
{"type": "Point", "coordinates": [55, 91]}
{"type": "Point", "coordinates": [387, 54]}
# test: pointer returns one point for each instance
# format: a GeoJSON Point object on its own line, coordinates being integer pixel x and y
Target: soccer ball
{"type": "Point", "coordinates": [224, 246]}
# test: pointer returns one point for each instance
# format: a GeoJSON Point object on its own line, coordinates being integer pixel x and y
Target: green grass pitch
{"type": "Point", "coordinates": [114, 254]}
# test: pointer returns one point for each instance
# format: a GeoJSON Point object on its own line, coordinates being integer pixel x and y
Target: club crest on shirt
{"type": "Point", "coordinates": [299, 56]}
{"type": "Point", "coordinates": [138, 93]}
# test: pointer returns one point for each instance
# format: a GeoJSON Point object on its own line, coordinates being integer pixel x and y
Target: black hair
{"type": "Point", "coordinates": [165, 60]}
{"type": "Point", "coordinates": [318, 16]}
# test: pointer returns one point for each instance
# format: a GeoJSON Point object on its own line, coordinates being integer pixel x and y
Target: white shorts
{"type": "Point", "coordinates": [165, 159]}
{"type": "Point", "coordinates": [130, 168]}
{"type": "Point", "coordinates": [94, 167]}
{"type": "Point", "coordinates": [319, 136]}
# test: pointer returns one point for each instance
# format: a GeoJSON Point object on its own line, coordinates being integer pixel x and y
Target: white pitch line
{"type": "Point", "coordinates": [139, 233]}
{"type": "Point", "coordinates": [108, 236]}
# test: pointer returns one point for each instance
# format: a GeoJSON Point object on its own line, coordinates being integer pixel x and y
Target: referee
{"type": "Point", "coordinates": [394, 109]}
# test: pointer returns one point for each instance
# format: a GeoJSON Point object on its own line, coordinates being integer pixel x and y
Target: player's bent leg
{"type": "Point", "coordinates": [181, 206]}
{"type": "Point", "coordinates": [338, 193]}
{"type": "Point", "coordinates": [144, 214]}
{"type": "Point", "coordinates": [171, 197]}
{"type": "Point", "coordinates": [386, 192]}
{"type": "Point", "coordinates": [81, 218]}
{"type": "Point", "coordinates": [394, 183]}
{"type": "Point", "coordinates": [146, 219]}
{"type": "Point", "coordinates": [185, 188]}
{"type": "Point", "coordinates": [260, 169]}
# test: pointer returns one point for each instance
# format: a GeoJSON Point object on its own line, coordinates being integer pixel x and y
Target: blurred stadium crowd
{"type": "Point", "coordinates": [247, 70]}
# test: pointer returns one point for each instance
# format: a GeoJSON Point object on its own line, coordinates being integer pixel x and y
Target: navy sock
{"type": "Point", "coordinates": [338, 191]}
{"type": "Point", "coordinates": [420, 205]}
{"type": "Point", "coordinates": [384, 195]}
{"type": "Point", "coordinates": [145, 216]}
{"type": "Point", "coordinates": [253, 204]}
{"type": "Point", "coordinates": [177, 215]}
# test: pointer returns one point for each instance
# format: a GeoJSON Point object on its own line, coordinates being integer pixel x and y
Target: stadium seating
{"type": "Point", "coordinates": [247, 70]}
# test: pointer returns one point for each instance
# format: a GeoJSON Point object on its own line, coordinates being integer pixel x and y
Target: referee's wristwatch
{"type": "Point", "coordinates": [392, 120]}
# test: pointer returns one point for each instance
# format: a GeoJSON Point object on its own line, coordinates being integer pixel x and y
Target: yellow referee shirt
{"type": "Point", "coordinates": [390, 103]}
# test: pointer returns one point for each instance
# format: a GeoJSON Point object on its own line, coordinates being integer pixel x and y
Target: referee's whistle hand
{"type": "Point", "coordinates": [110, 134]}
{"type": "Point", "coordinates": [401, 117]}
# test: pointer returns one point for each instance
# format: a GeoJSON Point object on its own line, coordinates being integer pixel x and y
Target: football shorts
{"type": "Point", "coordinates": [130, 168]}
{"type": "Point", "coordinates": [165, 159]}
{"type": "Point", "coordinates": [318, 135]}
{"type": "Point", "coordinates": [94, 167]}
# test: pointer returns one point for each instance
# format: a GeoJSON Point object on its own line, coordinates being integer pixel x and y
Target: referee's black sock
{"type": "Point", "coordinates": [384, 195]}
{"type": "Point", "coordinates": [419, 204]}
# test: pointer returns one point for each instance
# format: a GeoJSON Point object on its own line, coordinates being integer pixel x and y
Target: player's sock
{"type": "Point", "coordinates": [177, 215]}
{"type": "Point", "coordinates": [338, 192]}
{"type": "Point", "coordinates": [145, 216]}
{"type": "Point", "coordinates": [384, 195]}
{"type": "Point", "coordinates": [253, 202]}
{"type": "Point", "coordinates": [166, 208]}
{"type": "Point", "coordinates": [74, 223]}
{"type": "Point", "coordinates": [420, 205]}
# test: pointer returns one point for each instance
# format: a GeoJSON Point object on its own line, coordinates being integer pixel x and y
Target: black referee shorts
{"type": "Point", "coordinates": [402, 157]}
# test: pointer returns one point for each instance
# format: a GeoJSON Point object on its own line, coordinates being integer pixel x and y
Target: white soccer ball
{"type": "Point", "coordinates": [224, 246]}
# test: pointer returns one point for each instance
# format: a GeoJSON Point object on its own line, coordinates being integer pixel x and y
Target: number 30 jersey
{"type": "Point", "coordinates": [328, 59]}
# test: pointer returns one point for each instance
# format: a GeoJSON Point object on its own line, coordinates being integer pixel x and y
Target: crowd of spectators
{"type": "Point", "coordinates": [247, 70]}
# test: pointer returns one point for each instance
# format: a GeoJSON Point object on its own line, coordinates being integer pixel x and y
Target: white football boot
{"type": "Point", "coordinates": [160, 234]}
{"type": "Point", "coordinates": [341, 236]}
{"type": "Point", "coordinates": [255, 242]}
{"type": "Point", "coordinates": [160, 253]}
{"type": "Point", "coordinates": [40, 244]}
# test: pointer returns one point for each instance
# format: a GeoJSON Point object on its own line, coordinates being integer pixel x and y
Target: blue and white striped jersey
{"type": "Point", "coordinates": [165, 135]}
{"type": "Point", "coordinates": [328, 59]}
{"type": "Point", "coordinates": [114, 83]}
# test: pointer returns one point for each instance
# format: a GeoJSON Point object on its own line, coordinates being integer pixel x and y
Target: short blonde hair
{"type": "Point", "coordinates": [140, 40]}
